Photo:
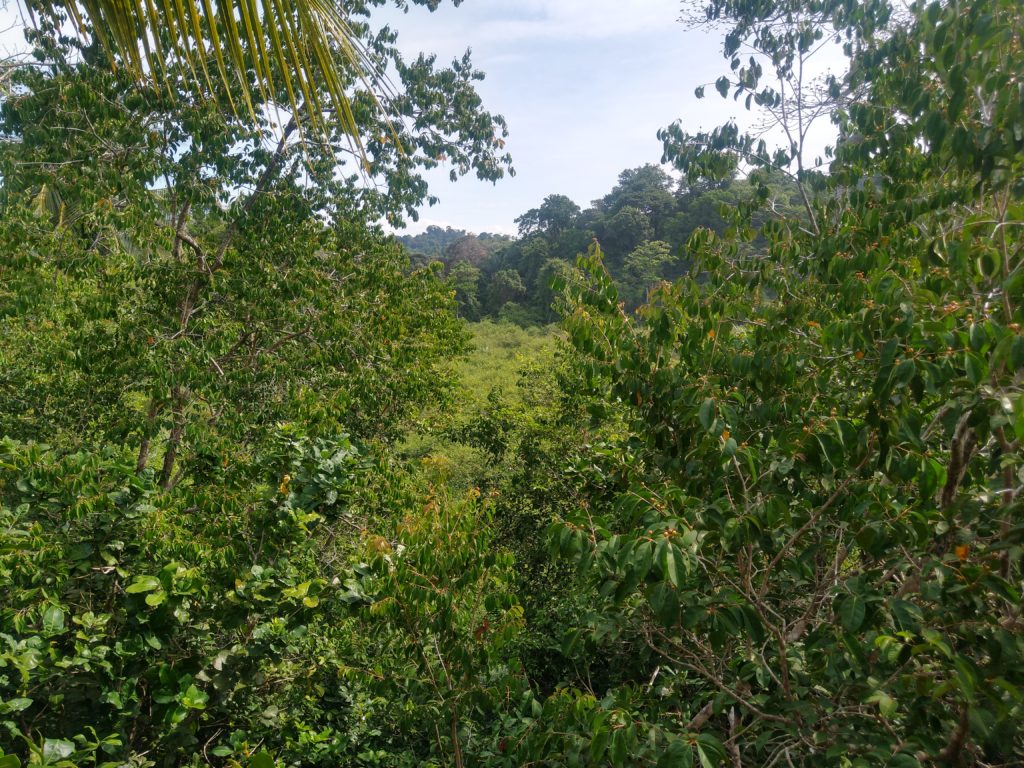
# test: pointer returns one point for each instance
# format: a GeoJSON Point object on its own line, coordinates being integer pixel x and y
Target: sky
{"type": "Point", "coordinates": [584, 85]}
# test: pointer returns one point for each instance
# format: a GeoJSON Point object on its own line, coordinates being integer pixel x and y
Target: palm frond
{"type": "Point", "coordinates": [305, 41]}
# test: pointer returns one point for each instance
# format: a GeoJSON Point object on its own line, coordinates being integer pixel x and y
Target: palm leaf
{"type": "Point", "coordinates": [301, 40]}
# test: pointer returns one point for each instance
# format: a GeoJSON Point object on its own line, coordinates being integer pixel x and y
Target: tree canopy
{"type": "Point", "coordinates": [756, 501]}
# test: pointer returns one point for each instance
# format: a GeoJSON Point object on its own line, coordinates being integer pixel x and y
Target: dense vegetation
{"type": "Point", "coordinates": [642, 225]}
{"type": "Point", "coordinates": [754, 501]}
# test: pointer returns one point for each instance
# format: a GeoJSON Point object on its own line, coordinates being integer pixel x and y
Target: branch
{"type": "Point", "coordinates": [811, 522]}
{"type": "Point", "coordinates": [261, 186]}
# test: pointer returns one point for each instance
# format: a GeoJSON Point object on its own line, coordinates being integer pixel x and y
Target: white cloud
{"type": "Point", "coordinates": [490, 24]}
{"type": "Point", "coordinates": [576, 19]}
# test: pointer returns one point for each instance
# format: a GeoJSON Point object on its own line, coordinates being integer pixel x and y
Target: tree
{"type": "Point", "coordinates": [467, 249]}
{"type": "Point", "coordinates": [643, 268]}
{"type": "Point", "coordinates": [555, 215]}
{"type": "Point", "coordinates": [790, 98]}
{"type": "Point", "coordinates": [216, 345]}
{"type": "Point", "coordinates": [465, 279]}
{"type": "Point", "coordinates": [624, 231]}
{"type": "Point", "coordinates": [184, 305]}
{"type": "Point", "coordinates": [647, 189]}
{"type": "Point", "coordinates": [505, 286]}
{"type": "Point", "coordinates": [802, 526]}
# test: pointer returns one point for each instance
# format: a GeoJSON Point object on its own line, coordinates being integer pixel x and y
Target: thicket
{"type": "Point", "coordinates": [772, 517]}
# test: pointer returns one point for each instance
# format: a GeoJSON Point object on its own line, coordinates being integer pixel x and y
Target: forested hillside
{"type": "Point", "coordinates": [724, 469]}
{"type": "Point", "coordinates": [642, 227]}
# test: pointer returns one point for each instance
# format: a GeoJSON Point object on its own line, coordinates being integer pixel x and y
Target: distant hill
{"type": "Point", "coordinates": [450, 245]}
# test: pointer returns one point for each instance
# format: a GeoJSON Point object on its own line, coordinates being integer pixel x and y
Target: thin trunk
{"type": "Point", "coordinates": [174, 440]}
{"type": "Point", "coordinates": [179, 230]}
{"type": "Point", "coordinates": [147, 437]}
{"type": "Point", "coordinates": [168, 478]}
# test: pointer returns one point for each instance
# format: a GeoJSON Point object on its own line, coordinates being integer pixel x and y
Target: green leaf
{"type": "Point", "coordinates": [851, 610]}
{"type": "Point", "coordinates": [55, 750]}
{"type": "Point", "coordinates": [887, 705]}
{"type": "Point", "coordinates": [599, 741]}
{"type": "Point", "coordinates": [619, 748]}
{"type": "Point", "coordinates": [80, 551]}
{"type": "Point", "coordinates": [706, 414]}
{"type": "Point", "coordinates": [710, 749]}
{"type": "Point", "coordinates": [193, 698]}
{"type": "Point", "coordinates": [261, 759]}
{"type": "Point", "coordinates": [299, 590]}
{"type": "Point", "coordinates": [904, 372]}
{"type": "Point", "coordinates": [668, 560]}
{"type": "Point", "coordinates": [976, 368]}
{"type": "Point", "coordinates": [15, 705]}
{"type": "Point", "coordinates": [1017, 352]}
{"type": "Point", "coordinates": [678, 754]}
{"type": "Point", "coordinates": [53, 620]}
{"type": "Point", "coordinates": [143, 584]}
{"type": "Point", "coordinates": [9, 761]}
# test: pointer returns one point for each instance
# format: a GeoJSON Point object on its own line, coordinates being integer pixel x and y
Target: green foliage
{"type": "Point", "coordinates": [641, 207]}
{"type": "Point", "coordinates": [135, 626]}
{"type": "Point", "coordinates": [194, 321]}
{"type": "Point", "coordinates": [442, 615]}
{"type": "Point", "coordinates": [644, 267]}
{"type": "Point", "coordinates": [808, 530]}
{"type": "Point", "coordinates": [555, 215]}
{"type": "Point", "coordinates": [772, 517]}
{"type": "Point", "coordinates": [178, 324]}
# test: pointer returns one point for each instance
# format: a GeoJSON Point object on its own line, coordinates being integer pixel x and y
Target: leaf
{"type": "Point", "coordinates": [664, 602]}
{"type": "Point", "coordinates": [193, 698]}
{"type": "Point", "coordinates": [668, 559]}
{"type": "Point", "coordinates": [261, 759]}
{"type": "Point", "coordinates": [53, 620]}
{"type": "Point", "coordinates": [706, 414]}
{"type": "Point", "coordinates": [678, 754]}
{"type": "Point", "coordinates": [16, 705]}
{"type": "Point", "coordinates": [9, 761]}
{"type": "Point", "coordinates": [599, 741]}
{"type": "Point", "coordinates": [312, 42]}
{"type": "Point", "coordinates": [976, 368]}
{"type": "Point", "coordinates": [80, 551]}
{"type": "Point", "coordinates": [709, 749]}
{"type": "Point", "coordinates": [55, 750]}
{"type": "Point", "coordinates": [1017, 352]}
{"type": "Point", "coordinates": [851, 612]}
{"type": "Point", "coordinates": [299, 590]}
{"type": "Point", "coordinates": [143, 584]}
{"type": "Point", "coordinates": [619, 748]}
{"type": "Point", "coordinates": [887, 705]}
